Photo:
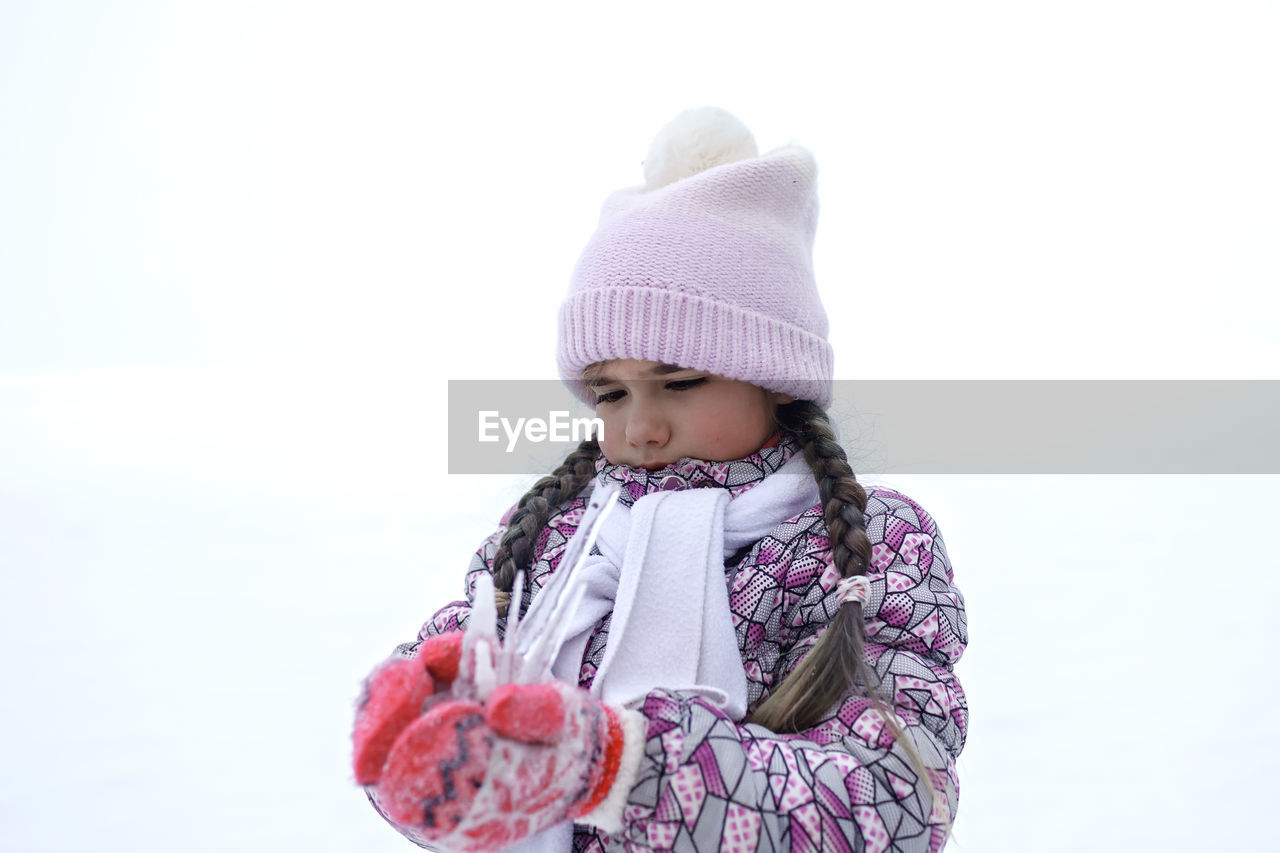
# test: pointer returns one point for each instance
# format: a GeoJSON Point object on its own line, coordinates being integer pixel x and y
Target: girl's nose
{"type": "Point", "coordinates": [647, 428]}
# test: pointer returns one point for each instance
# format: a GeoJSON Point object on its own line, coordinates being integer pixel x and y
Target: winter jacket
{"type": "Point", "coordinates": [708, 783]}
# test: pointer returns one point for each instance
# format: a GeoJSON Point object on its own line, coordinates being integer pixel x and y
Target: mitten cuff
{"type": "Point", "coordinates": [607, 814]}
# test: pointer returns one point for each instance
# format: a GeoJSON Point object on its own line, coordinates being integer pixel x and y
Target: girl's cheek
{"type": "Point", "coordinates": [608, 436]}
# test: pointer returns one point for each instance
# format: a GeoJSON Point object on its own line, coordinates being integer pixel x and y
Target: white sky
{"type": "Point", "coordinates": [1008, 189]}
{"type": "Point", "coordinates": [244, 245]}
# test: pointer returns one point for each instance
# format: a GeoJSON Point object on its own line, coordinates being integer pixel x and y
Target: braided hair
{"type": "Point", "coordinates": [836, 661]}
{"type": "Point", "coordinates": [535, 508]}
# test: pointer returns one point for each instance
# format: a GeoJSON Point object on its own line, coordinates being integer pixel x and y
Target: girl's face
{"type": "Point", "coordinates": [657, 413]}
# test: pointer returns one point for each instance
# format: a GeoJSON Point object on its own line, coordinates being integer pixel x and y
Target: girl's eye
{"type": "Point", "coordinates": [610, 397]}
{"type": "Point", "coordinates": [686, 384]}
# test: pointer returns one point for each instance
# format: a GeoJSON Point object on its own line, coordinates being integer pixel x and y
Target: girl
{"type": "Point", "coordinates": [753, 652]}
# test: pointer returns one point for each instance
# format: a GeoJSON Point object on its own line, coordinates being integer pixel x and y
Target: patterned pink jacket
{"type": "Point", "coordinates": [709, 783]}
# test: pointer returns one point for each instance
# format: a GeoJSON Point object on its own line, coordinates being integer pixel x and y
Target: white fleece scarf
{"type": "Point", "coordinates": [661, 572]}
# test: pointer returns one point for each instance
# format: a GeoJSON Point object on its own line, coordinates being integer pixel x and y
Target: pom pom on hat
{"type": "Point", "coordinates": [708, 265]}
{"type": "Point", "coordinates": [694, 141]}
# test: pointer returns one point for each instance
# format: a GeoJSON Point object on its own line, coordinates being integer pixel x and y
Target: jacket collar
{"type": "Point", "coordinates": [736, 475]}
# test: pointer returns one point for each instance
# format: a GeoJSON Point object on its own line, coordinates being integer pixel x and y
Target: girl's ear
{"type": "Point", "coordinates": [780, 399]}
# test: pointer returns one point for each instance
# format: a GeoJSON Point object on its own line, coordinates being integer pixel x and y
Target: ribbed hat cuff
{"type": "Point", "coordinates": [649, 324]}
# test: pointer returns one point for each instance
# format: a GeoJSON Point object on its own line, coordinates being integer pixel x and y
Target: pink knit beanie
{"type": "Point", "coordinates": [708, 265]}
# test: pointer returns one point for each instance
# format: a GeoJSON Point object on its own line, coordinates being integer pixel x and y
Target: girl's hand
{"type": "Point", "coordinates": [395, 695]}
{"type": "Point", "coordinates": [479, 777]}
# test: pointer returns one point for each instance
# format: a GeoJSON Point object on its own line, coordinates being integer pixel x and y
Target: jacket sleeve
{"type": "Point", "coordinates": [847, 783]}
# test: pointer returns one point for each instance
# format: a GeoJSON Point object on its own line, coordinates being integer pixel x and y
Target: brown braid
{"type": "Point", "coordinates": [807, 695]}
{"type": "Point", "coordinates": [515, 550]}
{"type": "Point", "coordinates": [837, 659]}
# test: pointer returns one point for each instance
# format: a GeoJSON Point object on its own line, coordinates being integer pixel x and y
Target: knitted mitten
{"type": "Point", "coordinates": [395, 694]}
{"type": "Point", "coordinates": [479, 777]}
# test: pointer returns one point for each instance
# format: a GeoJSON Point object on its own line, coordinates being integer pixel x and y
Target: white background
{"type": "Point", "coordinates": [243, 247]}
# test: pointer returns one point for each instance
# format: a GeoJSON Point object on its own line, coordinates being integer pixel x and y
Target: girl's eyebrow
{"type": "Point", "coordinates": [664, 369]}
{"type": "Point", "coordinates": [660, 370]}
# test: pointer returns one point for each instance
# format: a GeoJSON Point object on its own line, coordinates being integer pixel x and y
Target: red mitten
{"type": "Point", "coordinates": [395, 694]}
{"type": "Point", "coordinates": [477, 777]}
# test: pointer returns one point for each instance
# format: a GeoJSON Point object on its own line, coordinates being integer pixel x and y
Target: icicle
{"type": "Point", "coordinates": [487, 661]}
{"type": "Point", "coordinates": [478, 643]}
{"type": "Point", "coordinates": [535, 662]}
{"type": "Point", "coordinates": [507, 665]}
